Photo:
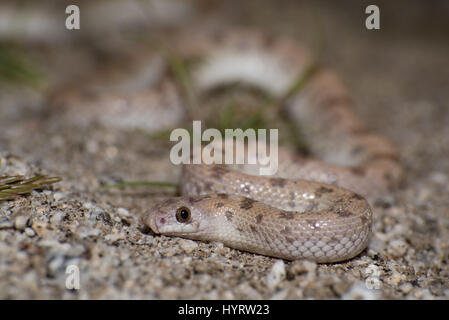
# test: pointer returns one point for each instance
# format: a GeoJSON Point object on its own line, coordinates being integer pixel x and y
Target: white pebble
{"type": "Point", "coordinates": [360, 291]}
{"type": "Point", "coordinates": [20, 222]}
{"type": "Point", "coordinates": [122, 212]}
{"type": "Point", "coordinates": [406, 287]}
{"type": "Point", "coordinates": [424, 294]}
{"type": "Point", "coordinates": [396, 278]}
{"type": "Point", "coordinates": [30, 232]}
{"type": "Point", "coordinates": [114, 237]}
{"type": "Point", "coordinates": [57, 218]}
{"type": "Point", "coordinates": [372, 274]}
{"type": "Point", "coordinates": [276, 274]}
{"type": "Point", "coordinates": [188, 245]}
{"type": "Point", "coordinates": [55, 264]}
{"type": "Point", "coordinates": [5, 223]}
{"type": "Point", "coordinates": [398, 248]}
{"type": "Point", "coordinates": [58, 195]}
{"type": "Point", "coordinates": [94, 233]}
{"type": "Point", "coordinates": [88, 205]}
{"type": "Point", "coordinates": [48, 243]}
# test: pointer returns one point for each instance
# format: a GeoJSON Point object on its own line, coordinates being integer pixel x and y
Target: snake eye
{"type": "Point", "coordinates": [183, 215]}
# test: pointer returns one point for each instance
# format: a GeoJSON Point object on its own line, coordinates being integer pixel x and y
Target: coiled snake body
{"type": "Point", "coordinates": [307, 210]}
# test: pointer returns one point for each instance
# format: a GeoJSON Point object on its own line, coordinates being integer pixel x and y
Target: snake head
{"type": "Point", "coordinates": [180, 216]}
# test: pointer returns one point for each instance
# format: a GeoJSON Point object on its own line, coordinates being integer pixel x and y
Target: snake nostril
{"type": "Point", "coordinates": [162, 220]}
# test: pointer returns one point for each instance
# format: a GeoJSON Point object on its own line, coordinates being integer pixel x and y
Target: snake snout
{"type": "Point", "coordinates": [154, 219]}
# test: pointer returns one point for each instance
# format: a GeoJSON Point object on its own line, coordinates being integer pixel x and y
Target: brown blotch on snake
{"type": "Point", "coordinates": [246, 203]}
{"type": "Point", "coordinates": [169, 201]}
{"type": "Point", "coordinates": [259, 218]}
{"type": "Point", "coordinates": [343, 212]}
{"type": "Point", "coordinates": [356, 196]}
{"type": "Point", "coordinates": [277, 182]}
{"type": "Point", "coordinates": [223, 196]}
{"type": "Point", "coordinates": [219, 204]}
{"type": "Point", "coordinates": [322, 190]}
{"type": "Point", "coordinates": [286, 215]}
{"type": "Point", "coordinates": [363, 219]}
{"type": "Point", "coordinates": [229, 215]}
{"type": "Point", "coordinates": [198, 198]}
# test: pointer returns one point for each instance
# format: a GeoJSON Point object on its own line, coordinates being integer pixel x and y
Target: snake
{"type": "Point", "coordinates": [316, 207]}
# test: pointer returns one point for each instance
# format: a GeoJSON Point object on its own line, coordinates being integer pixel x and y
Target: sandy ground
{"type": "Point", "coordinates": [398, 77]}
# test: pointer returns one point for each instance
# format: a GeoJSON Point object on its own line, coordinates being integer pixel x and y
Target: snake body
{"type": "Point", "coordinates": [307, 210]}
{"type": "Point", "coordinates": [289, 219]}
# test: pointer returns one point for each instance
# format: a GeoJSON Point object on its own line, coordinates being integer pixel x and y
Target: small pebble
{"type": "Point", "coordinates": [424, 294]}
{"type": "Point", "coordinates": [302, 266]}
{"type": "Point", "coordinates": [372, 275]}
{"type": "Point", "coordinates": [55, 264]}
{"type": "Point", "coordinates": [114, 237]}
{"type": "Point", "coordinates": [58, 196]}
{"type": "Point", "coordinates": [20, 222]}
{"type": "Point", "coordinates": [42, 229]}
{"type": "Point", "coordinates": [276, 274]}
{"type": "Point", "coordinates": [406, 287]}
{"type": "Point", "coordinates": [396, 278]}
{"type": "Point", "coordinates": [123, 213]}
{"type": "Point", "coordinates": [340, 287]}
{"type": "Point", "coordinates": [88, 205]}
{"type": "Point", "coordinates": [5, 223]}
{"type": "Point", "coordinates": [30, 232]}
{"type": "Point", "coordinates": [359, 291]}
{"type": "Point", "coordinates": [57, 218]}
{"type": "Point", "coordinates": [94, 233]}
{"type": "Point", "coordinates": [398, 248]}
{"type": "Point", "coordinates": [188, 245]}
{"type": "Point", "coordinates": [228, 295]}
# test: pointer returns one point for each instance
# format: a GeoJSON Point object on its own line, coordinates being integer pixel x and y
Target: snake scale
{"type": "Point", "coordinates": [307, 211]}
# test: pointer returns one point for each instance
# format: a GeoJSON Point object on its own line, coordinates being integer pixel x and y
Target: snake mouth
{"type": "Point", "coordinates": [151, 222]}
{"type": "Point", "coordinates": [154, 227]}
